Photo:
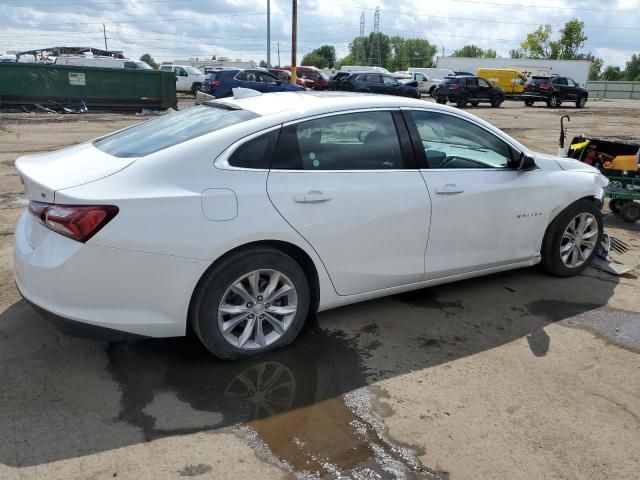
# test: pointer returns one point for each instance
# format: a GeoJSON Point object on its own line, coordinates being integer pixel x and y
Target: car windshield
{"type": "Point", "coordinates": [193, 71]}
{"type": "Point", "coordinates": [323, 75]}
{"type": "Point", "coordinates": [172, 129]}
{"type": "Point", "coordinates": [143, 66]}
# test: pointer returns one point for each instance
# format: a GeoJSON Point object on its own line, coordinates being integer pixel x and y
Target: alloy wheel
{"type": "Point", "coordinates": [579, 240]}
{"type": "Point", "coordinates": [257, 309]}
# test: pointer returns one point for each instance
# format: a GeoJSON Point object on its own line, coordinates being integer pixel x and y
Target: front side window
{"type": "Point", "coordinates": [451, 142]}
{"type": "Point", "coordinates": [420, 77]}
{"type": "Point", "coordinates": [266, 78]}
{"type": "Point", "coordinates": [388, 80]}
{"type": "Point", "coordinates": [483, 83]}
{"type": "Point", "coordinates": [571, 83]}
{"type": "Point", "coordinates": [354, 141]}
{"type": "Point", "coordinates": [160, 133]}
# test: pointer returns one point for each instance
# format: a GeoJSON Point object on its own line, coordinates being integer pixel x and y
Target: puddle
{"type": "Point", "coordinates": [305, 409]}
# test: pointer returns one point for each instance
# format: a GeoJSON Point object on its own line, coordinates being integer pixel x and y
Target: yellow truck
{"type": "Point", "coordinates": [511, 81]}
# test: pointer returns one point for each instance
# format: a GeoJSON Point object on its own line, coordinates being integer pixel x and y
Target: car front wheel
{"type": "Point", "coordinates": [253, 302]}
{"type": "Point", "coordinates": [572, 239]}
{"type": "Point", "coordinates": [528, 103]}
{"type": "Point", "coordinates": [581, 102]}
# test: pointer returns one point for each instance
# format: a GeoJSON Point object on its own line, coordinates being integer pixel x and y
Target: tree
{"type": "Point", "coordinates": [632, 68]}
{"type": "Point", "coordinates": [314, 60]}
{"type": "Point", "coordinates": [571, 40]}
{"type": "Point", "coordinates": [596, 67]}
{"type": "Point", "coordinates": [538, 43]}
{"type": "Point", "coordinates": [148, 59]}
{"type": "Point", "coordinates": [263, 64]}
{"type": "Point", "coordinates": [474, 51]}
{"type": "Point", "coordinates": [517, 53]}
{"type": "Point", "coordinates": [411, 52]}
{"type": "Point", "coordinates": [374, 49]}
{"type": "Point", "coordinates": [328, 52]}
{"type": "Point", "coordinates": [347, 60]}
{"type": "Point", "coordinates": [612, 73]}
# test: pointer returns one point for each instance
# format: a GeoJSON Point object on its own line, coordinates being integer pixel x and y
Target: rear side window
{"type": "Point", "coordinates": [354, 141]}
{"type": "Point", "coordinates": [537, 80]}
{"type": "Point", "coordinates": [222, 75]}
{"type": "Point", "coordinates": [172, 129]}
{"type": "Point", "coordinates": [256, 153]}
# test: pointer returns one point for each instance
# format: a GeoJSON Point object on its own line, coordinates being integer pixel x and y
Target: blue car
{"type": "Point", "coordinates": [220, 83]}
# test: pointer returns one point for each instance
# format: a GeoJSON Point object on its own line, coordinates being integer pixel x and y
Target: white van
{"type": "Point", "coordinates": [360, 68]}
{"type": "Point", "coordinates": [102, 62]}
{"type": "Point", "coordinates": [188, 79]}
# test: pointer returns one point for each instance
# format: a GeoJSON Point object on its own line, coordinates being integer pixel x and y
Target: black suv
{"type": "Point", "coordinates": [463, 89]}
{"type": "Point", "coordinates": [372, 82]}
{"type": "Point", "coordinates": [553, 91]}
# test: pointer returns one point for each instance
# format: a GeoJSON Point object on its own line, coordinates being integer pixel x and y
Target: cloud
{"type": "Point", "coordinates": [173, 29]}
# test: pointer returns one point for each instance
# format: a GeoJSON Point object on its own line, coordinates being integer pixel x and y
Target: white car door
{"type": "Point", "coordinates": [422, 82]}
{"type": "Point", "coordinates": [485, 212]}
{"type": "Point", "coordinates": [183, 83]}
{"type": "Point", "coordinates": [348, 183]}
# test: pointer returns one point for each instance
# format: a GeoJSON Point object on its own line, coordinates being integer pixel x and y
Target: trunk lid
{"type": "Point", "coordinates": [44, 174]}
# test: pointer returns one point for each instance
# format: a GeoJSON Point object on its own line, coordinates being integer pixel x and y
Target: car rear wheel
{"type": "Point", "coordinates": [253, 302]}
{"type": "Point", "coordinates": [553, 102]}
{"type": "Point", "coordinates": [582, 102]}
{"type": "Point", "coordinates": [528, 103]}
{"type": "Point", "coordinates": [630, 211]}
{"type": "Point", "coordinates": [475, 104]}
{"type": "Point", "coordinates": [572, 239]}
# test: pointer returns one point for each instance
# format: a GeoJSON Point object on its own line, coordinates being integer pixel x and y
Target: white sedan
{"type": "Point", "coordinates": [241, 216]}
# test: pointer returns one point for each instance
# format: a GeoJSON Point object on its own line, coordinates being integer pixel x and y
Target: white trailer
{"type": "Point", "coordinates": [577, 70]}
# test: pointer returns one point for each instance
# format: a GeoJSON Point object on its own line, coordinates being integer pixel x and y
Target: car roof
{"type": "Point", "coordinates": [302, 104]}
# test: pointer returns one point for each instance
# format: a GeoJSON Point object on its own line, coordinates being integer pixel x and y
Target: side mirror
{"type": "Point", "coordinates": [526, 162]}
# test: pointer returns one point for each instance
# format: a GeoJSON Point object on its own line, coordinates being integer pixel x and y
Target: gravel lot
{"type": "Point", "coordinates": [515, 376]}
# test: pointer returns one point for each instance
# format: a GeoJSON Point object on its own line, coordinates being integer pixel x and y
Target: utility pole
{"type": "Point", "coordinates": [443, 50]}
{"type": "Point", "coordinates": [268, 33]}
{"type": "Point", "coordinates": [294, 34]}
{"type": "Point", "coordinates": [278, 53]}
{"type": "Point", "coordinates": [104, 32]}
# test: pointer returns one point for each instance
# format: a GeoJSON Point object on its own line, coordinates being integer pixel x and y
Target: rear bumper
{"type": "Point", "coordinates": [536, 97]}
{"type": "Point", "coordinates": [120, 290]}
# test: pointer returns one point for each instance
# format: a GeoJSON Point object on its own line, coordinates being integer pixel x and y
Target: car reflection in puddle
{"type": "Point", "coordinates": [305, 409]}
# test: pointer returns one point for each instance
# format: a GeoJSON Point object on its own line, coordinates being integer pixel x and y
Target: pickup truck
{"type": "Point", "coordinates": [188, 78]}
{"type": "Point", "coordinates": [425, 84]}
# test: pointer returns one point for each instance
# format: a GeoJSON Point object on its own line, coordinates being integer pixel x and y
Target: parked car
{"type": "Point", "coordinates": [553, 90]}
{"type": "Point", "coordinates": [220, 83]}
{"type": "Point", "coordinates": [336, 81]}
{"type": "Point", "coordinates": [369, 82]}
{"type": "Point", "coordinates": [188, 79]}
{"type": "Point", "coordinates": [509, 80]}
{"type": "Point", "coordinates": [424, 84]}
{"type": "Point", "coordinates": [316, 78]}
{"type": "Point", "coordinates": [101, 62]}
{"type": "Point", "coordinates": [462, 90]}
{"type": "Point", "coordinates": [242, 216]}
{"type": "Point", "coordinates": [285, 76]}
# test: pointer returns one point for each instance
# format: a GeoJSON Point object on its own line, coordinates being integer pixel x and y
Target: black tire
{"type": "Point", "coordinates": [497, 101]}
{"type": "Point", "coordinates": [432, 92]}
{"type": "Point", "coordinates": [210, 290]}
{"type": "Point", "coordinates": [441, 100]}
{"type": "Point", "coordinates": [475, 104]}
{"type": "Point", "coordinates": [630, 212]}
{"type": "Point", "coordinates": [461, 101]}
{"type": "Point", "coordinates": [551, 261]}
{"type": "Point", "coordinates": [581, 101]}
{"type": "Point", "coordinates": [615, 204]}
{"type": "Point", "coordinates": [528, 103]}
{"type": "Point", "coordinates": [553, 101]}
{"type": "Point", "coordinates": [195, 88]}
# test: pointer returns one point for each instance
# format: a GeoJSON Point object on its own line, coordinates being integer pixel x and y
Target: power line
{"type": "Point", "coordinates": [26, 5]}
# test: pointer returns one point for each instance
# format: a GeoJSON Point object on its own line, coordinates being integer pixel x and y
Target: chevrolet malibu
{"type": "Point", "coordinates": [241, 216]}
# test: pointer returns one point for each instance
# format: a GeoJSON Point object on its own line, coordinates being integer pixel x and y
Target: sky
{"type": "Point", "coordinates": [182, 29]}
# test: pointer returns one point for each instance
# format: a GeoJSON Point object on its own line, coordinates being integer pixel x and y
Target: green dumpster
{"type": "Point", "coordinates": [99, 88]}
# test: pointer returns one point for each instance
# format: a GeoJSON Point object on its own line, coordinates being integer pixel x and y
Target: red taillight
{"type": "Point", "coordinates": [79, 222]}
{"type": "Point", "coordinates": [215, 83]}
{"type": "Point", "coordinates": [544, 86]}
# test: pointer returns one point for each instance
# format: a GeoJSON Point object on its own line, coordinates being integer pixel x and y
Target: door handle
{"type": "Point", "coordinates": [449, 189]}
{"type": "Point", "coordinates": [312, 197]}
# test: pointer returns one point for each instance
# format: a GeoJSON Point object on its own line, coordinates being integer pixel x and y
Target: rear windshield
{"type": "Point", "coordinates": [222, 74]}
{"type": "Point", "coordinates": [450, 80]}
{"type": "Point", "coordinates": [536, 80]}
{"type": "Point", "coordinates": [173, 128]}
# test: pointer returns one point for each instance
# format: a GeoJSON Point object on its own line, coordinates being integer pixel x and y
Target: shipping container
{"type": "Point", "coordinates": [98, 88]}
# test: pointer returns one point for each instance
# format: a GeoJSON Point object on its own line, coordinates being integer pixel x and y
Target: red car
{"type": "Point", "coordinates": [285, 76]}
{"type": "Point", "coordinates": [318, 80]}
